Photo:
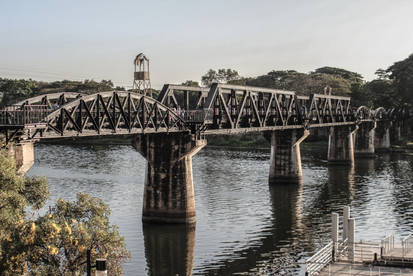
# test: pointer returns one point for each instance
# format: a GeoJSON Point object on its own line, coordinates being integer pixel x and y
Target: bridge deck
{"type": "Point", "coordinates": [221, 109]}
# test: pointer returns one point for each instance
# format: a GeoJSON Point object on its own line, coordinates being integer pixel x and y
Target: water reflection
{"type": "Point", "coordinates": [169, 249]}
{"type": "Point", "coordinates": [278, 248]}
{"type": "Point", "coordinates": [244, 226]}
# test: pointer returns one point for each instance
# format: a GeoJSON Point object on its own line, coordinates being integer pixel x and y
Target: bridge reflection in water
{"type": "Point", "coordinates": [169, 249]}
{"type": "Point", "coordinates": [289, 221]}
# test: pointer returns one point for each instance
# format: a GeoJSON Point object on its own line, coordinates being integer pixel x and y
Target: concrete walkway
{"type": "Point", "coordinates": [347, 269]}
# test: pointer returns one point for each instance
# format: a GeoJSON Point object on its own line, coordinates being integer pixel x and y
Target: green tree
{"type": "Point", "coordinates": [302, 83]}
{"type": "Point", "coordinates": [221, 76]}
{"type": "Point", "coordinates": [17, 89]}
{"type": "Point", "coordinates": [54, 243]}
{"type": "Point", "coordinates": [401, 73]}
{"type": "Point", "coordinates": [353, 77]}
{"type": "Point", "coordinates": [191, 83]}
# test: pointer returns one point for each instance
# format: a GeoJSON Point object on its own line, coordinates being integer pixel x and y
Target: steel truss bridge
{"type": "Point", "coordinates": [221, 109]}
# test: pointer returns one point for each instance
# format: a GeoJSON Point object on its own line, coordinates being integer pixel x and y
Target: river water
{"type": "Point", "coordinates": [244, 226]}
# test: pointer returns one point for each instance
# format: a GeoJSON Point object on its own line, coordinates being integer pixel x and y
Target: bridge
{"type": "Point", "coordinates": [169, 131]}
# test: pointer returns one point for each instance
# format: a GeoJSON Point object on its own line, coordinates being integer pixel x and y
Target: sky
{"type": "Point", "coordinates": [55, 40]}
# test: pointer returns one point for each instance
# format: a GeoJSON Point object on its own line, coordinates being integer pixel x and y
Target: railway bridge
{"type": "Point", "coordinates": [170, 130]}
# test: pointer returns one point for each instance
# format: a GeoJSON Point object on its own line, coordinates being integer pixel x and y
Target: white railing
{"type": "Point", "coordinates": [387, 244]}
{"type": "Point", "coordinates": [319, 260]}
{"type": "Point", "coordinates": [407, 244]}
{"type": "Point", "coordinates": [342, 249]}
{"type": "Point", "coordinates": [366, 252]}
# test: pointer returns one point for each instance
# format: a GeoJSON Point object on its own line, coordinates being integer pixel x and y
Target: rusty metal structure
{"type": "Point", "coordinates": [141, 77]}
{"type": "Point", "coordinates": [221, 109]}
{"type": "Point", "coordinates": [169, 131]}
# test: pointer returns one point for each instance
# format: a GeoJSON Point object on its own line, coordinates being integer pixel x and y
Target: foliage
{"type": "Point", "coordinates": [353, 77]}
{"type": "Point", "coordinates": [16, 90]}
{"type": "Point", "coordinates": [16, 194]}
{"type": "Point", "coordinates": [191, 83]}
{"type": "Point", "coordinates": [401, 73]}
{"type": "Point", "coordinates": [302, 83]}
{"type": "Point", "coordinates": [220, 76]}
{"type": "Point", "coordinates": [56, 242]}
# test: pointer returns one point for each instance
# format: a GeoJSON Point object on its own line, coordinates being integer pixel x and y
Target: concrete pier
{"type": "Point", "coordinates": [23, 153]}
{"type": "Point", "coordinates": [169, 190]}
{"type": "Point", "coordinates": [364, 139]}
{"type": "Point", "coordinates": [395, 133]}
{"type": "Point", "coordinates": [341, 145]}
{"type": "Point", "coordinates": [285, 162]}
{"type": "Point", "coordinates": [382, 136]}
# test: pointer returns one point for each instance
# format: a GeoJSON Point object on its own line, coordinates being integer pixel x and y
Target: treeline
{"type": "Point", "coordinates": [391, 87]}
{"type": "Point", "coordinates": [15, 90]}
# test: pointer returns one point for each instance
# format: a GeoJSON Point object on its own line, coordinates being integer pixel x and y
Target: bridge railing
{"type": "Point", "coordinates": [196, 116]}
{"type": "Point", "coordinates": [26, 115]}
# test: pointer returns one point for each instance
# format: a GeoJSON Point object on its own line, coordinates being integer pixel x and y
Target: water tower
{"type": "Point", "coordinates": [141, 80]}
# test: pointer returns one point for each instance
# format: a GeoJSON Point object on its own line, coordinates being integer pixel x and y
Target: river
{"type": "Point", "coordinates": [244, 226]}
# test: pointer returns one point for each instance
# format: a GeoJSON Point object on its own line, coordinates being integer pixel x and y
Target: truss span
{"type": "Point", "coordinates": [103, 113]}
{"type": "Point", "coordinates": [222, 108]}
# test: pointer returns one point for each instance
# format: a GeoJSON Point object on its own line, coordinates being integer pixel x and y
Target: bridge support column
{"type": "Point", "coordinates": [23, 153]}
{"type": "Point", "coordinates": [395, 133]}
{"type": "Point", "coordinates": [382, 136]}
{"type": "Point", "coordinates": [285, 162]}
{"type": "Point", "coordinates": [169, 191]}
{"type": "Point", "coordinates": [341, 145]}
{"type": "Point", "coordinates": [364, 139]}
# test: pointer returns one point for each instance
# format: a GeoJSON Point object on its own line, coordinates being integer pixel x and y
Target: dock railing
{"type": "Point", "coordinates": [342, 249]}
{"type": "Point", "coordinates": [319, 260]}
{"type": "Point", "coordinates": [407, 244]}
{"type": "Point", "coordinates": [387, 244]}
{"type": "Point", "coordinates": [366, 251]}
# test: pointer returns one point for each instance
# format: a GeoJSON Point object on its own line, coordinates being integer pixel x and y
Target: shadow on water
{"type": "Point", "coordinates": [245, 226]}
{"type": "Point", "coordinates": [279, 241]}
{"type": "Point", "coordinates": [169, 249]}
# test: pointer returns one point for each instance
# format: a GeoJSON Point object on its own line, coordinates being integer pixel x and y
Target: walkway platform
{"type": "Point", "coordinates": [349, 257]}
{"type": "Point", "coordinates": [347, 269]}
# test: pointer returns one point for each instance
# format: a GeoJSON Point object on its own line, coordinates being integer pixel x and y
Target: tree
{"type": "Point", "coordinates": [353, 77]}
{"type": "Point", "coordinates": [401, 73]}
{"type": "Point", "coordinates": [54, 243]}
{"type": "Point", "coordinates": [382, 74]}
{"type": "Point", "coordinates": [190, 83]}
{"type": "Point", "coordinates": [221, 76]}
{"type": "Point", "coordinates": [16, 195]}
{"type": "Point", "coordinates": [17, 89]}
{"type": "Point", "coordinates": [302, 83]}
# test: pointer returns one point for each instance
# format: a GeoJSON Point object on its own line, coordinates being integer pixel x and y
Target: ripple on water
{"type": "Point", "coordinates": [244, 226]}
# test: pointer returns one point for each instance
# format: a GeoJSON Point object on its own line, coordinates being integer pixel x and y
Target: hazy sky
{"type": "Point", "coordinates": [54, 40]}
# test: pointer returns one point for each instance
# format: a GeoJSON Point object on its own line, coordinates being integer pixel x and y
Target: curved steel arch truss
{"type": "Point", "coordinates": [109, 113]}
{"type": "Point", "coordinates": [52, 100]}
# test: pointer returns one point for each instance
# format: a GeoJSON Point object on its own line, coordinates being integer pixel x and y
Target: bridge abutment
{"type": "Point", "coordinates": [341, 145]}
{"type": "Point", "coordinates": [169, 190]}
{"type": "Point", "coordinates": [364, 139]}
{"type": "Point", "coordinates": [382, 136]}
{"type": "Point", "coordinates": [23, 153]}
{"type": "Point", "coordinates": [285, 162]}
